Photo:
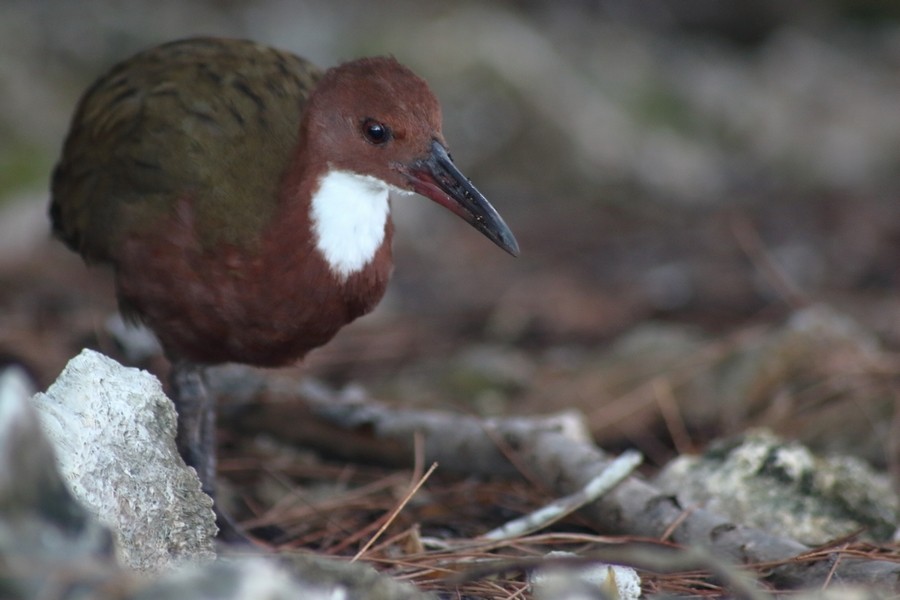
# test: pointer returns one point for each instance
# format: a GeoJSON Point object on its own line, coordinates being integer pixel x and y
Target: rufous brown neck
{"type": "Point", "coordinates": [323, 260]}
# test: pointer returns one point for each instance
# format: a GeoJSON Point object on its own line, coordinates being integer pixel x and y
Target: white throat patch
{"type": "Point", "coordinates": [349, 212]}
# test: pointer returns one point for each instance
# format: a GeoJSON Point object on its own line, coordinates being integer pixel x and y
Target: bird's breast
{"type": "Point", "coordinates": [266, 306]}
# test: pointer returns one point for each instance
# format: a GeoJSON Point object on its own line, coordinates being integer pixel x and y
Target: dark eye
{"type": "Point", "coordinates": [375, 132]}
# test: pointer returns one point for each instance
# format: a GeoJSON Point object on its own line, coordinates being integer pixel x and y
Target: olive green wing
{"type": "Point", "coordinates": [210, 121]}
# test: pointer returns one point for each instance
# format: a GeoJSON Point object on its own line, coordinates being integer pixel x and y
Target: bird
{"type": "Point", "coordinates": [241, 197]}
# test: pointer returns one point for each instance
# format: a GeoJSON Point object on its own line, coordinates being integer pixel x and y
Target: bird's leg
{"type": "Point", "coordinates": [196, 437]}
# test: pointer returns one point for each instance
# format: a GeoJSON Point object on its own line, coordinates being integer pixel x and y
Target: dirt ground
{"type": "Point", "coordinates": [691, 171]}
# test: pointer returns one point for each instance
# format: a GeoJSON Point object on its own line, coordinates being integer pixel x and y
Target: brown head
{"type": "Point", "coordinates": [376, 118]}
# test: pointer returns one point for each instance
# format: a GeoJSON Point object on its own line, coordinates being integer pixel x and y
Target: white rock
{"type": "Point", "coordinates": [14, 385]}
{"type": "Point", "coordinates": [46, 536]}
{"type": "Point", "coordinates": [113, 429]}
{"type": "Point", "coordinates": [584, 582]}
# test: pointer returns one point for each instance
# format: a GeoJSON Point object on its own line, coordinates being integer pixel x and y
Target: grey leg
{"type": "Point", "coordinates": [196, 438]}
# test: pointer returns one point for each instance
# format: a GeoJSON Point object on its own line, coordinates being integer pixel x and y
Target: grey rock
{"type": "Point", "coordinates": [781, 487]}
{"type": "Point", "coordinates": [52, 547]}
{"type": "Point", "coordinates": [262, 578]}
{"type": "Point", "coordinates": [114, 429]}
{"type": "Point", "coordinates": [43, 529]}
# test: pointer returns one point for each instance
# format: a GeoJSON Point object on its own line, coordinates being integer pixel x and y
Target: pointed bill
{"type": "Point", "coordinates": [437, 178]}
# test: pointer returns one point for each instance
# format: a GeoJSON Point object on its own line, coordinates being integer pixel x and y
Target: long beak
{"type": "Point", "coordinates": [437, 178]}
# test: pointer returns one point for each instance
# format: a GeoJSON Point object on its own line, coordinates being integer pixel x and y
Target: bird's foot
{"type": "Point", "coordinates": [196, 441]}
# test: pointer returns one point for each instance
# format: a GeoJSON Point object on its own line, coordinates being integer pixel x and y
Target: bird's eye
{"type": "Point", "coordinates": [375, 132]}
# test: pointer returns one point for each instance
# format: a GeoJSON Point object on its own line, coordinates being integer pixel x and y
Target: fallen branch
{"type": "Point", "coordinates": [545, 516]}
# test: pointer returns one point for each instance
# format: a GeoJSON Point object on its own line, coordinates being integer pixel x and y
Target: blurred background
{"type": "Point", "coordinates": [678, 174]}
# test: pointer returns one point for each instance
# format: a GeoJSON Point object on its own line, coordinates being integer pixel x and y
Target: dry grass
{"type": "Point", "coordinates": [424, 528]}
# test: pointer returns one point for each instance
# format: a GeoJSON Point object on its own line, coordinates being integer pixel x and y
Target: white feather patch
{"type": "Point", "coordinates": [349, 212]}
